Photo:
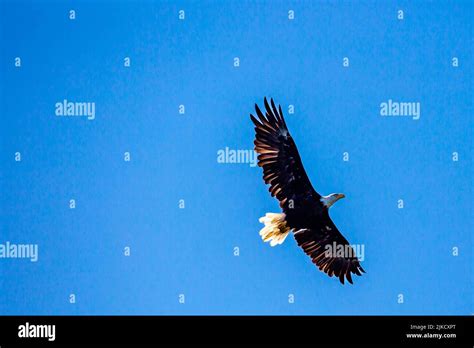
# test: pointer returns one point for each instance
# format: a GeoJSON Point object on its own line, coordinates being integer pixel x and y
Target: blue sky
{"type": "Point", "coordinates": [189, 251]}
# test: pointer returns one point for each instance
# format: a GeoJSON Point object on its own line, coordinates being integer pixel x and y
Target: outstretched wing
{"type": "Point", "coordinates": [328, 249]}
{"type": "Point", "coordinates": [305, 214]}
{"type": "Point", "coordinates": [282, 166]}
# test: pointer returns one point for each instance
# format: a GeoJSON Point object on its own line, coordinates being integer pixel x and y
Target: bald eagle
{"type": "Point", "coordinates": [305, 212]}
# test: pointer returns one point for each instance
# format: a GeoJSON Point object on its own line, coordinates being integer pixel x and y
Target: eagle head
{"type": "Point", "coordinates": [331, 199]}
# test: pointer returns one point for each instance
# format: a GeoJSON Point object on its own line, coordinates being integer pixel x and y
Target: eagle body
{"type": "Point", "coordinates": [305, 211]}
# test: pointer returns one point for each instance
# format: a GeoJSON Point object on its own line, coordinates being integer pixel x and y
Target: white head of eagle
{"type": "Point", "coordinates": [305, 211]}
{"type": "Point", "coordinates": [329, 200]}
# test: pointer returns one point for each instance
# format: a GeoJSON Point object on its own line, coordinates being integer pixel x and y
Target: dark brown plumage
{"type": "Point", "coordinates": [304, 212]}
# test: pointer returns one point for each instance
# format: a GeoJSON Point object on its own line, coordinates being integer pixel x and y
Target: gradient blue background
{"type": "Point", "coordinates": [190, 251]}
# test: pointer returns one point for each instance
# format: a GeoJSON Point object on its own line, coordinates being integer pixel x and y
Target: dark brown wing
{"type": "Point", "coordinates": [282, 166]}
{"type": "Point", "coordinates": [305, 214]}
{"type": "Point", "coordinates": [329, 250]}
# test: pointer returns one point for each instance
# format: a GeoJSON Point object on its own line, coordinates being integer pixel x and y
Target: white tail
{"type": "Point", "coordinates": [275, 230]}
